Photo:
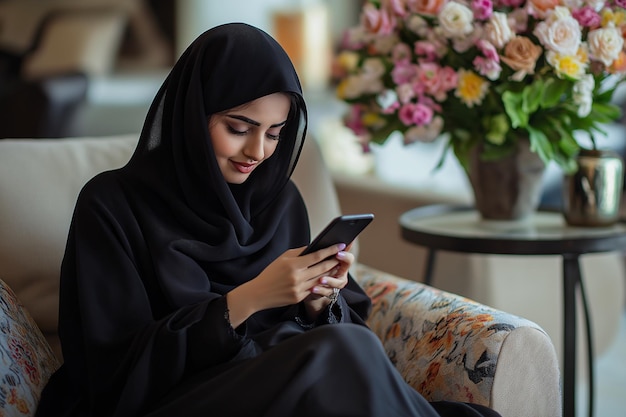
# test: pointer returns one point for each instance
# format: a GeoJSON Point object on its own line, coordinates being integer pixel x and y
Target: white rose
{"type": "Point", "coordinates": [584, 85]}
{"type": "Point", "coordinates": [465, 43]}
{"type": "Point", "coordinates": [387, 99]}
{"type": "Point", "coordinates": [596, 5]}
{"type": "Point", "coordinates": [559, 12]}
{"type": "Point", "coordinates": [497, 30]}
{"type": "Point", "coordinates": [561, 34]}
{"type": "Point", "coordinates": [605, 44]}
{"type": "Point", "coordinates": [417, 24]}
{"type": "Point", "coordinates": [456, 20]}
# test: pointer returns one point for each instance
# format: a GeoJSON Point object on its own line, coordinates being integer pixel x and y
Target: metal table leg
{"type": "Point", "coordinates": [571, 282]}
{"type": "Point", "coordinates": [571, 274]}
{"type": "Point", "coordinates": [430, 264]}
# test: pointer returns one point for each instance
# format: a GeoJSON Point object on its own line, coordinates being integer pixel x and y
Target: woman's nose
{"type": "Point", "coordinates": [254, 148]}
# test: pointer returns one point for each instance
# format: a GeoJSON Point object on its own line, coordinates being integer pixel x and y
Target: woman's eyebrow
{"type": "Point", "coordinates": [253, 122]}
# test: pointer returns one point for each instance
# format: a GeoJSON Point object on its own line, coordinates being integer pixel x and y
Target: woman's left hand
{"type": "Point", "coordinates": [335, 278]}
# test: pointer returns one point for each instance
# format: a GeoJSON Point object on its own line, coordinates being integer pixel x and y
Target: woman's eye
{"type": "Point", "coordinates": [273, 137]}
{"type": "Point", "coordinates": [235, 131]}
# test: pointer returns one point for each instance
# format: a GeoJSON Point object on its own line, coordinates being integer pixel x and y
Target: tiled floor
{"type": "Point", "coordinates": [610, 381]}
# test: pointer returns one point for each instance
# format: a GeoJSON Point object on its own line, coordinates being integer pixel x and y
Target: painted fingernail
{"type": "Point", "coordinates": [341, 255]}
{"type": "Point", "coordinates": [341, 246]}
{"type": "Point", "coordinates": [324, 281]}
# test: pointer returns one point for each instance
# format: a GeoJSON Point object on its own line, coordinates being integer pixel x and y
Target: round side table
{"type": "Point", "coordinates": [460, 229]}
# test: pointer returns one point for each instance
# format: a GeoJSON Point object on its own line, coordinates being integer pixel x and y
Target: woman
{"type": "Point", "coordinates": [182, 292]}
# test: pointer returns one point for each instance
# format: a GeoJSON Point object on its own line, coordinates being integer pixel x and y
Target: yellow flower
{"type": "Point", "coordinates": [348, 60]}
{"type": "Point", "coordinates": [613, 18]}
{"type": "Point", "coordinates": [341, 89]}
{"type": "Point", "coordinates": [583, 54]}
{"type": "Point", "coordinates": [568, 66]}
{"type": "Point", "coordinates": [471, 88]}
{"type": "Point", "coordinates": [372, 119]}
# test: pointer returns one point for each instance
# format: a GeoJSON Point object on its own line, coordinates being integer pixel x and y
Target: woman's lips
{"type": "Point", "coordinates": [243, 167]}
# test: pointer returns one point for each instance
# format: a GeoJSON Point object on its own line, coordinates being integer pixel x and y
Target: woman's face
{"type": "Point", "coordinates": [247, 135]}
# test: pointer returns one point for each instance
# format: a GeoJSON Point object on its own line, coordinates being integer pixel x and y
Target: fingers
{"type": "Point", "coordinates": [322, 254]}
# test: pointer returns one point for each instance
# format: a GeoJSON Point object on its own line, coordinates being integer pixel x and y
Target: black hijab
{"type": "Point", "coordinates": [256, 221]}
{"type": "Point", "coordinates": [155, 245]}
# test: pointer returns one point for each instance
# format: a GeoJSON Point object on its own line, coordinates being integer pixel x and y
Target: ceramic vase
{"type": "Point", "coordinates": [509, 188]}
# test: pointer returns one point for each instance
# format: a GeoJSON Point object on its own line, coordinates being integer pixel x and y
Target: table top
{"type": "Point", "coordinates": [461, 229]}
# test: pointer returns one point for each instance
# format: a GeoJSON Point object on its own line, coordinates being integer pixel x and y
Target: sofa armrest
{"type": "Point", "coordinates": [451, 348]}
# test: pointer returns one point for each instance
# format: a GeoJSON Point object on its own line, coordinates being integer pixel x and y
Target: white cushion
{"type": "Point", "coordinates": [39, 182]}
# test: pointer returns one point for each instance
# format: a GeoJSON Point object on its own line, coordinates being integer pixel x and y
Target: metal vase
{"type": "Point", "coordinates": [592, 195]}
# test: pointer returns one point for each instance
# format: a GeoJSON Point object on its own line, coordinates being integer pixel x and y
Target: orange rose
{"type": "Point", "coordinates": [521, 55]}
{"type": "Point", "coordinates": [543, 6]}
{"type": "Point", "coordinates": [427, 7]}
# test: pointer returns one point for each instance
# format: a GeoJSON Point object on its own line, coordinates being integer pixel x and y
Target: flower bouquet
{"type": "Point", "coordinates": [488, 72]}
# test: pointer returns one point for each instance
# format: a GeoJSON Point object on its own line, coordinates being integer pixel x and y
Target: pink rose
{"type": "Point", "coordinates": [448, 77]}
{"type": "Point", "coordinates": [400, 51]}
{"type": "Point", "coordinates": [426, 49]}
{"type": "Point", "coordinates": [396, 7]}
{"type": "Point", "coordinates": [415, 114]}
{"type": "Point", "coordinates": [434, 79]}
{"type": "Point", "coordinates": [354, 120]}
{"type": "Point", "coordinates": [487, 67]}
{"type": "Point", "coordinates": [403, 71]}
{"type": "Point", "coordinates": [488, 50]}
{"type": "Point", "coordinates": [482, 9]}
{"type": "Point", "coordinates": [587, 17]}
{"type": "Point", "coordinates": [377, 20]}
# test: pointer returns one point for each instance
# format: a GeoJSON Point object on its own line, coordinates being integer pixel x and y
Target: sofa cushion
{"type": "Point", "coordinates": [39, 182]}
{"type": "Point", "coordinates": [26, 360]}
{"type": "Point", "coordinates": [78, 41]}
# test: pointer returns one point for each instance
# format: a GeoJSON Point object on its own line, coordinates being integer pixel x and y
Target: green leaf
{"type": "Point", "coordinates": [513, 107]}
{"type": "Point", "coordinates": [532, 96]}
{"type": "Point", "coordinates": [605, 112]}
{"type": "Point", "coordinates": [540, 144]}
{"type": "Point", "coordinates": [553, 92]}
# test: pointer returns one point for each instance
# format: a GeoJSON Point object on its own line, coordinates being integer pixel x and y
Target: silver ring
{"type": "Point", "coordinates": [334, 296]}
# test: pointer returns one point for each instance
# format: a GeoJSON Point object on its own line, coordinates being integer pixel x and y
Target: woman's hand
{"type": "Point", "coordinates": [290, 279]}
{"type": "Point", "coordinates": [336, 278]}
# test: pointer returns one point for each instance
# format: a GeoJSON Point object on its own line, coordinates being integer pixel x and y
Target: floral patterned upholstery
{"type": "Point", "coordinates": [26, 360]}
{"type": "Point", "coordinates": [444, 345]}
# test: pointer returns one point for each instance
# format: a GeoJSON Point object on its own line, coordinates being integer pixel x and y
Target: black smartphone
{"type": "Point", "coordinates": [342, 229]}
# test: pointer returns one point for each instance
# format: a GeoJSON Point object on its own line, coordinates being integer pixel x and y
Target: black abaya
{"type": "Point", "coordinates": [154, 247]}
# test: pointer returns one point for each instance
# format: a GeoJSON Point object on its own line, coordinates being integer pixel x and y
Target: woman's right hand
{"type": "Point", "coordinates": [286, 281]}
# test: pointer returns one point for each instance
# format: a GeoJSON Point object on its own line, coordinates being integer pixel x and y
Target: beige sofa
{"type": "Point", "coordinates": [446, 346]}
